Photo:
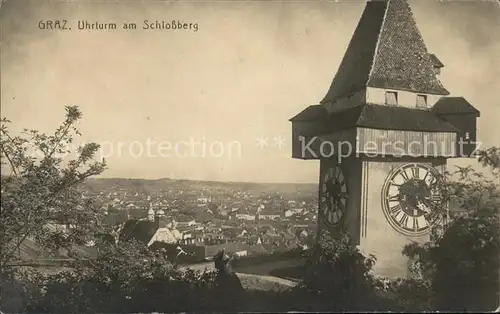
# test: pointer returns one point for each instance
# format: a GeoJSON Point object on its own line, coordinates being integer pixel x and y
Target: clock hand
{"type": "Point", "coordinates": [423, 207]}
{"type": "Point", "coordinates": [415, 210]}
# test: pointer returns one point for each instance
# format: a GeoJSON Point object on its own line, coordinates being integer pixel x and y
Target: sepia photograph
{"type": "Point", "coordinates": [284, 156]}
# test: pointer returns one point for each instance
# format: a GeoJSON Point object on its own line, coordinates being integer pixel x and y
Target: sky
{"type": "Point", "coordinates": [232, 84]}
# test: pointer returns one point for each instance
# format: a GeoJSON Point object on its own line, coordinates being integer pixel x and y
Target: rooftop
{"type": "Point", "coordinates": [375, 116]}
{"type": "Point", "coordinates": [386, 51]}
{"type": "Point", "coordinates": [454, 105]}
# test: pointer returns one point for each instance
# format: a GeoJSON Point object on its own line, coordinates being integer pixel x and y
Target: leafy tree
{"type": "Point", "coordinates": [491, 158]}
{"type": "Point", "coordinates": [39, 187]}
{"type": "Point", "coordinates": [461, 265]}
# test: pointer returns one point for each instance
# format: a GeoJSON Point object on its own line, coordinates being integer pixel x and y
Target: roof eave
{"type": "Point", "coordinates": [441, 91]}
{"type": "Point", "coordinates": [451, 129]}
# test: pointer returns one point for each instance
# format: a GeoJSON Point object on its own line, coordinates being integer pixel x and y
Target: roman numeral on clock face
{"type": "Point", "coordinates": [430, 218]}
{"type": "Point", "coordinates": [415, 172]}
{"type": "Point", "coordinates": [396, 209]}
{"type": "Point", "coordinates": [404, 220]}
{"type": "Point", "coordinates": [415, 223]}
{"type": "Point", "coordinates": [393, 198]}
{"type": "Point", "coordinates": [430, 179]}
{"type": "Point", "coordinates": [404, 175]}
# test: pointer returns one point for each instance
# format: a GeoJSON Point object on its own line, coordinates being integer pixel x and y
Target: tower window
{"type": "Point", "coordinates": [422, 101]}
{"type": "Point", "coordinates": [391, 98]}
{"type": "Point", "coordinates": [467, 136]}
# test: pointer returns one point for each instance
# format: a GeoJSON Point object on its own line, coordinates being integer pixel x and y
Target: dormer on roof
{"type": "Point", "coordinates": [435, 61]}
{"type": "Point", "coordinates": [462, 115]}
{"type": "Point", "coordinates": [455, 106]}
{"type": "Point", "coordinates": [386, 54]}
{"type": "Point", "coordinates": [437, 64]}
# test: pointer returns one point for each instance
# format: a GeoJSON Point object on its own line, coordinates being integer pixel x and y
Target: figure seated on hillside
{"type": "Point", "coordinates": [226, 281]}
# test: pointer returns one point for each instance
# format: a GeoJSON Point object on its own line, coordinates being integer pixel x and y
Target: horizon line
{"type": "Point", "coordinates": [196, 180]}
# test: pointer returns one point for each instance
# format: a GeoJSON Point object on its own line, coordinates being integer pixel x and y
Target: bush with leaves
{"type": "Point", "coordinates": [407, 294]}
{"type": "Point", "coordinates": [338, 277]}
{"type": "Point", "coordinates": [126, 278]}
{"type": "Point", "coordinates": [461, 265]}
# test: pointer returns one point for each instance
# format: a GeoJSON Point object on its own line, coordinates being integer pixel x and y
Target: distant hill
{"type": "Point", "coordinates": [146, 185]}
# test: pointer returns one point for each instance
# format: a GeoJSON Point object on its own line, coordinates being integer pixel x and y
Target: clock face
{"type": "Point", "coordinates": [333, 196]}
{"type": "Point", "coordinates": [411, 199]}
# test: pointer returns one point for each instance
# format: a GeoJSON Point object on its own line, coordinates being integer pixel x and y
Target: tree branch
{"type": "Point", "coordinates": [58, 140]}
{"type": "Point", "coordinates": [6, 154]}
{"type": "Point", "coordinates": [13, 168]}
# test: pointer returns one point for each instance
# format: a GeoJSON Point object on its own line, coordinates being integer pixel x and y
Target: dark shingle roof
{"type": "Point", "coordinates": [454, 105]}
{"type": "Point", "coordinates": [311, 113]}
{"type": "Point", "coordinates": [258, 249]}
{"type": "Point", "coordinates": [435, 61]}
{"type": "Point", "coordinates": [141, 230]}
{"type": "Point", "coordinates": [403, 119]}
{"type": "Point", "coordinates": [386, 51]}
{"type": "Point", "coordinates": [402, 60]}
{"type": "Point", "coordinates": [375, 117]}
{"type": "Point", "coordinates": [323, 121]}
{"type": "Point", "coordinates": [354, 69]}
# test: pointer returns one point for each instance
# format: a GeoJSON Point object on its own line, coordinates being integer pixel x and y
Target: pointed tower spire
{"type": "Point", "coordinates": [386, 51]}
{"type": "Point", "coordinates": [151, 212]}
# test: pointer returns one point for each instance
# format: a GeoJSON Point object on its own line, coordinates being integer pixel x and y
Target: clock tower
{"type": "Point", "coordinates": [383, 134]}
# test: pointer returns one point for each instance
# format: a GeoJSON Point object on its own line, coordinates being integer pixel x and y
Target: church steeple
{"type": "Point", "coordinates": [387, 51]}
{"type": "Point", "coordinates": [151, 212]}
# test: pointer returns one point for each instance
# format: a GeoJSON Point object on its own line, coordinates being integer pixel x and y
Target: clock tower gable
{"type": "Point", "coordinates": [387, 53]}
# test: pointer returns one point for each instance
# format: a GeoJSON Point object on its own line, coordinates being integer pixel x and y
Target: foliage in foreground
{"type": "Point", "coordinates": [338, 278]}
{"type": "Point", "coordinates": [124, 279]}
{"type": "Point", "coordinates": [39, 186]}
{"type": "Point", "coordinates": [459, 269]}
